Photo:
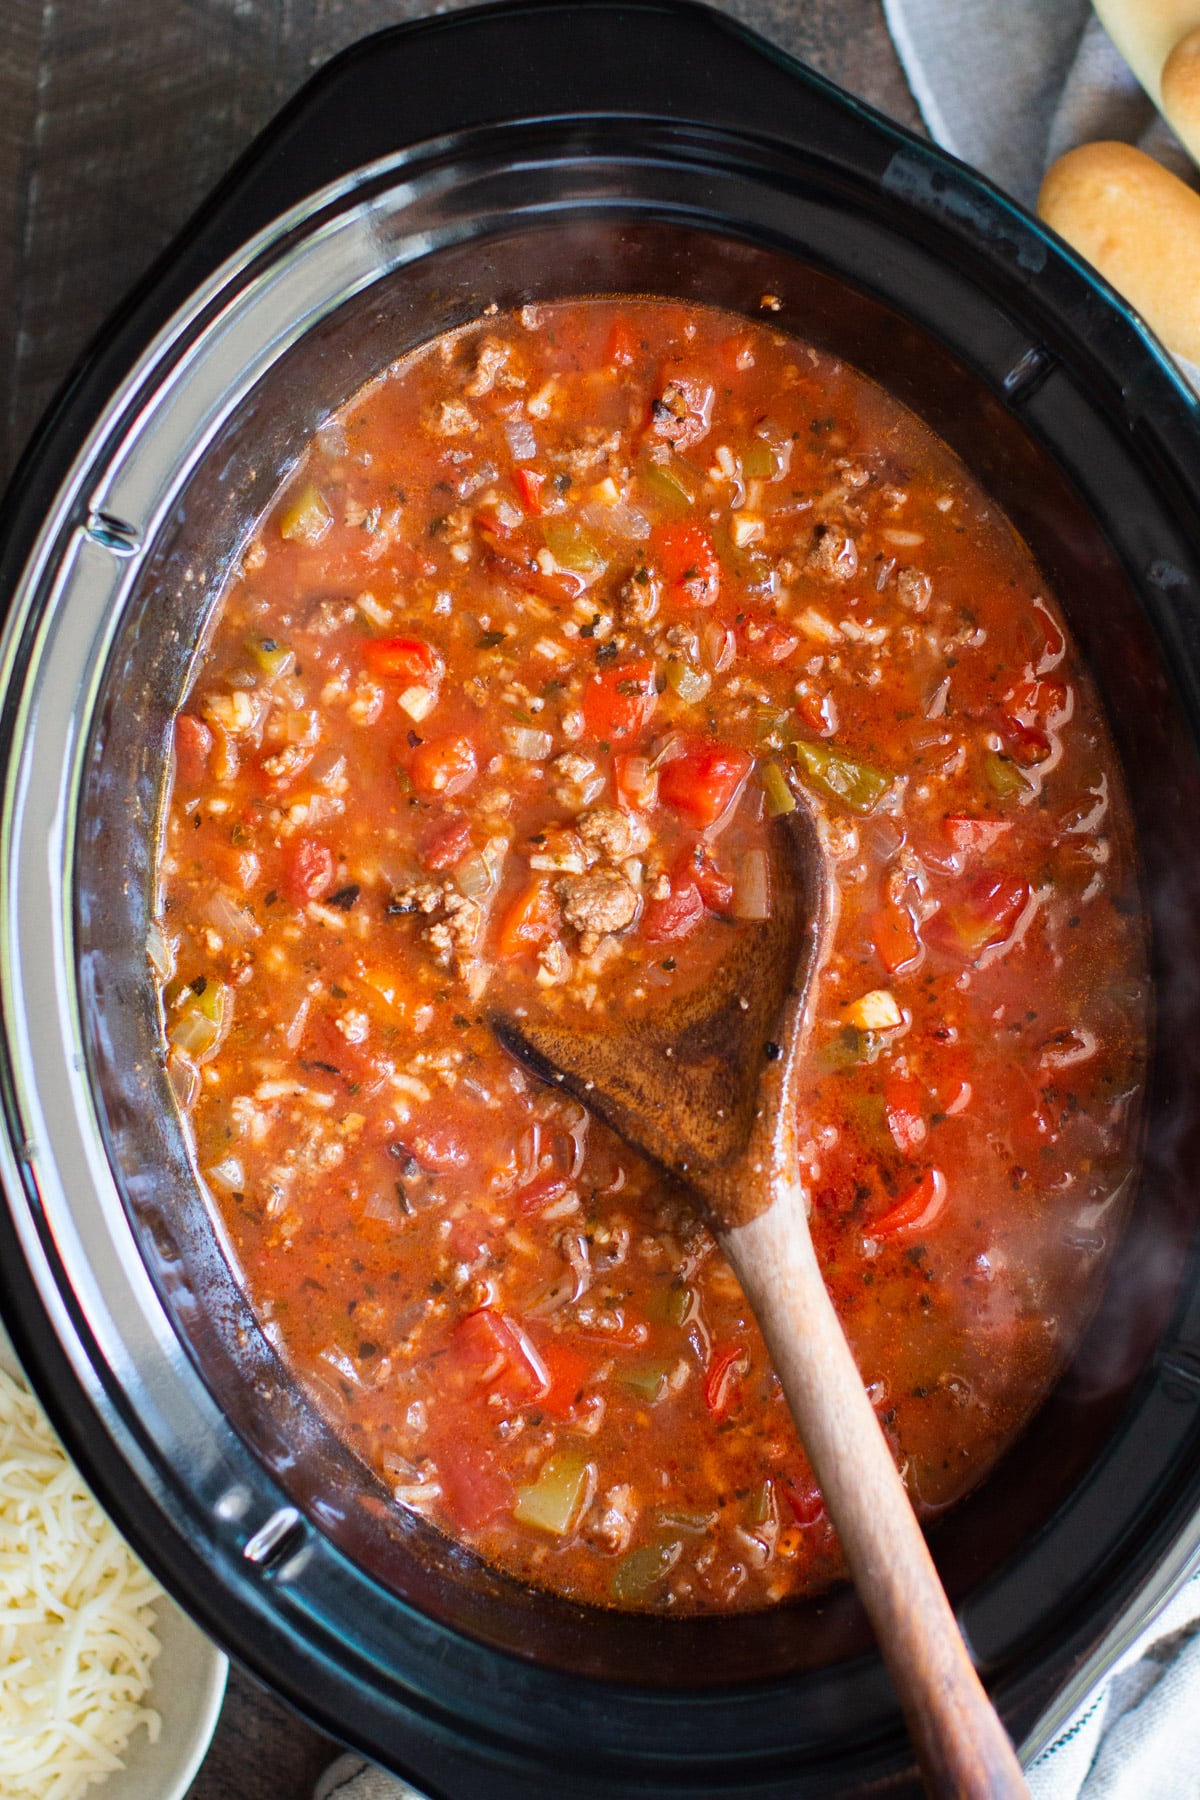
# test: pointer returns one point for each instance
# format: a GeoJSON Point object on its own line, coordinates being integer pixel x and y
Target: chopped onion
{"type": "Point", "coordinates": [690, 684]}
{"type": "Point", "coordinates": [572, 1284]}
{"type": "Point", "coordinates": [668, 750]}
{"type": "Point", "coordinates": [228, 1175]}
{"type": "Point", "coordinates": [522, 441]}
{"type": "Point", "coordinates": [473, 876]}
{"type": "Point", "coordinates": [578, 1136]}
{"type": "Point", "coordinates": [418, 1496]}
{"type": "Point", "coordinates": [575, 1248]}
{"type": "Point", "coordinates": [160, 952]}
{"type": "Point", "coordinates": [529, 1152]}
{"type": "Point", "coordinates": [230, 919]}
{"type": "Point", "coordinates": [184, 1077]}
{"type": "Point", "coordinates": [418, 702]}
{"type": "Point", "coordinates": [195, 1034]}
{"type": "Point", "coordinates": [752, 886]}
{"type": "Point", "coordinates": [331, 438]}
{"type": "Point", "coordinates": [719, 646]}
{"type": "Point", "coordinates": [382, 1206]}
{"type": "Point", "coordinates": [639, 782]}
{"type": "Point", "coordinates": [400, 1467]}
{"type": "Point", "coordinates": [618, 520]}
{"type": "Point", "coordinates": [301, 727]}
{"type": "Point", "coordinates": [527, 743]}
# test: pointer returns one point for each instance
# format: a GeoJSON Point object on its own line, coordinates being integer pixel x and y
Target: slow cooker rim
{"type": "Point", "coordinates": [524, 9]}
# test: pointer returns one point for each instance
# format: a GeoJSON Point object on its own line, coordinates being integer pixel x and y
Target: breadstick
{"type": "Point", "coordinates": [1146, 32]}
{"type": "Point", "coordinates": [1181, 90]}
{"type": "Point", "coordinates": [1140, 227]}
{"type": "Point", "coordinates": [1151, 35]}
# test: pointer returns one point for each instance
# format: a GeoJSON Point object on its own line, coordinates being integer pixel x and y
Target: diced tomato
{"type": "Point", "coordinates": [515, 558]}
{"type": "Point", "coordinates": [677, 916]}
{"type": "Point", "coordinates": [475, 1490]}
{"type": "Point", "coordinates": [404, 659]}
{"type": "Point", "coordinates": [1050, 646]}
{"type": "Point", "coordinates": [529, 487]}
{"type": "Point", "coordinates": [444, 765]}
{"type": "Point", "coordinates": [715, 888]}
{"type": "Point", "coordinates": [541, 1193]}
{"type": "Point", "coordinates": [1031, 713]}
{"type": "Point", "coordinates": [985, 915]}
{"type": "Point", "coordinates": [444, 842]}
{"type": "Point", "coordinates": [1028, 745]}
{"type": "Point", "coordinates": [682, 412]}
{"type": "Point", "coordinates": [569, 1369]}
{"type": "Point", "coordinates": [437, 1148]}
{"type": "Point", "coordinates": [193, 741]}
{"type": "Point", "coordinates": [619, 702]}
{"type": "Point", "coordinates": [690, 566]}
{"type": "Point", "coordinates": [729, 1364]}
{"type": "Point", "coordinates": [469, 1238]}
{"type": "Point", "coordinates": [622, 344]}
{"type": "Point", "coordinates": [308, 870]}
{"type": "Point", "coordinates": [895, 936]}
{"type": "Point", "coordinates": [917, 1210]}
{"type": "Point", "coordinates": [531, 921]}
{"type": "Point", "coordinates": [239, 867]}
{"type": "Point", "coordinates": [765, 641]}
{"type": "Point", "coordinates": [817, 709]}
{"type": "Point", "coordinates": [737, 352]}
{"type": "Point", "coordinates": [488, 1349]}
{"type": "Point", "coordinates": [805, 1499]}
{"type": "Point", "coordinates": [903, 1105]}
{"type": "Point", "coordinates": [1031, 1127]}
{"type": "Point", "coordinates": [975, 836]}
{"type": "Point", "coordinates": [634, 782]}
{"type": "Point", "coordinates": [704, 782]}
{"type": "Point", "coordinates": [494, 524]}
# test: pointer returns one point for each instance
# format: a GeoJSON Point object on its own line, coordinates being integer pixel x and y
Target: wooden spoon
{"type": "Point", "coordinates": [704, 1086]}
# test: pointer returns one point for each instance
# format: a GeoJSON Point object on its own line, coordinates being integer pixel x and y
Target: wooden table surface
{"type": "Point", "coordinates": [116, 117]}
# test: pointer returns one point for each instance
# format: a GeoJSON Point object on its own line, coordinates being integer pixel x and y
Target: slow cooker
{"type": "Point", "coordinates": [513, 154]}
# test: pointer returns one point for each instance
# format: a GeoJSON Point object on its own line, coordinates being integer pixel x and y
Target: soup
{"type": "Point", "coordinates": [504, 699]}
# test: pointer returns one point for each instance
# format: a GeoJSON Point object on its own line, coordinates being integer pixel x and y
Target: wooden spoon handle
{"type": "Point", "coordinates": [961, 1746]}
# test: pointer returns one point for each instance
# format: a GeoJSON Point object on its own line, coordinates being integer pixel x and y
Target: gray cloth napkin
{"type": "Point", "coordinates": [1008, 85]}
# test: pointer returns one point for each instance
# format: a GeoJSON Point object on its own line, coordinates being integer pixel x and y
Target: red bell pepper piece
{"type": "Point", "coordinates": [729, 1365]}
{"type": "Point", "coordinates": [619, 702]}
{"type": "Point", "coordinates": [677, 916]}
{"type": "Point", "coordinates": [917, 1210]}
{"type": "Point", "coordinates": [308, 870]}
{"type": "Point", "coordinates": [903, 1105]}
{"type": "Point", "coordinates": [404, 659]}
{"type": "Point", "coordinates": [975, 837]}
{"type": "Point", "coordinates": [193, 742]}
{"type": "Point", "coordinates": [531, 921]}
{"type": "Point", "coordinates": [474, 1489]}
{"type": "Point", "coordinates": [690, 566]}
{"type": "Point", "coordinates": [444, 765]}
{"type": "Point", "coordinates": [704, 782]}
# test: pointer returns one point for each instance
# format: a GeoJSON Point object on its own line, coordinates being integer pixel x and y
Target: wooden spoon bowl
{"type": "Point", "coordinates": [705, 1087]}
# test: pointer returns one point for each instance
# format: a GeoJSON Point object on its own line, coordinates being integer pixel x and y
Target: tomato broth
{"type": "Point", "coordinates": [511, 684]}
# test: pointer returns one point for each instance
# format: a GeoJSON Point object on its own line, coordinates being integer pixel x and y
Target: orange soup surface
{"type": "Point", "coordinates": [509, 688]}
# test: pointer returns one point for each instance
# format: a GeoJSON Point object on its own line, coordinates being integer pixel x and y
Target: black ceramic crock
{"type": "Point", "coordinates": [520, 153]}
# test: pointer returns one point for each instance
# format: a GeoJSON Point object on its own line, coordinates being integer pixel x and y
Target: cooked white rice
{"type": "Point", "coordinates": [76, 1619]}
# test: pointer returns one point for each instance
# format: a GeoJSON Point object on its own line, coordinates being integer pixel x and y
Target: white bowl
{"type": "Point", "coordinates": [188, 1686]}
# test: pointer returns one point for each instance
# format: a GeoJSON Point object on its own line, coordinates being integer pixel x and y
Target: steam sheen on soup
{"type": "Point", "coordinates": [550, 625]}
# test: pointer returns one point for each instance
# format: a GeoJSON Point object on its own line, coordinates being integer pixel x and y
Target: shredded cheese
{"type": "Point", "coordinates": [76, 1619]}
